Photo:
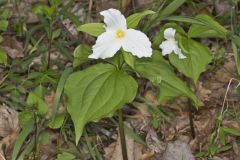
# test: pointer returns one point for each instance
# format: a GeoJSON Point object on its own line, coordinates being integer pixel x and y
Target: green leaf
{"type": "Point", "coordinates": [186, 19]}
{"type": "Point", "coordinates": [209, 29]}
{"type": "Point", "coordinates": [43, 9]}
{"type": "Point", "coordinates": [21, 138]}
{"type": "Point", "coordinates": [224, 148]}
{"type": "Point", "coordinates": [25, 117]}
{"type": "Point", "coordinates": [198, 57]}
{"type": "Point", "coordinates": [213, 149]}
{"type": "Point", "coordinates": [130, 132]}
{"type": "Point", "coordinates": [128, 58]}
{"type": "Point", "coordinates": [133, 20]}
{"type": "Point", "coordinates": [3, 25]}
{"type": "Point", "coordinates": [59, 91]}
{"type": "Point", "coordinates": [235, 48]}
{"type": "Point", "coordinates": [55, 2]}
{"type": "Point", "coordinates": [28, 149]}
{"type": "Point", "coordinates": [97, 92]}
{"type": "Point", "coordinates": [81, 54]}
{"type": "Point", "coordinates": [66, 156]}
{"type": "Point", "coordinates": [40, 8]}
{"type": "Point", "coordinates": [3, 56]}
{"type": "Point", "coordinates": [233, 131]}
{"type": "Point", "coordinates": [1, 39]}
{"type": "Point", "coordinates": [71, 16]}
{"type": "Point", "coordinates": [94, 29]}
{"type": "Point", "coordinates": [172, 7]}
{"type": "Point", "coordinates": [35, 98]}
{"type": "Point", "coordinates": [56, 122]}
{"type": "Point", "coordinates": [56, 34]}
{"type": "Point", "coordinates": [222, 136]}
{"type": "Point", "coordinates": [5, 14]}
{"type": "Point", "coordinates": [163, 76]}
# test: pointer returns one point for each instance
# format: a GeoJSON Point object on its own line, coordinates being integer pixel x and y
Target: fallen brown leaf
{"type": "Point", "coordinates": [9, 130]}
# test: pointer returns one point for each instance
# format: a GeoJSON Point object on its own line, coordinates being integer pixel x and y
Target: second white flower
{"type": "Point", "coordinates": [170, 44]}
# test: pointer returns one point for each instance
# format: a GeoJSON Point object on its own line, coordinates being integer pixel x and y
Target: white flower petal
{"type": "Point", "coordinates": [137, 43]}
{"type": "Point", "coordinates": [178, 51]}
{"type": "Point", "coordinates": [114, 19]}
{"type": "Point", "coordinates": [106, 46]}
{"type": "Point", "coordinates": [169, 33]}
{"type": "Point", "coordinates": [167, 47]}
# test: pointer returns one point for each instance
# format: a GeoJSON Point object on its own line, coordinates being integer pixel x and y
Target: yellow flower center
{"type": "Point", "coordinates": [120, 33]}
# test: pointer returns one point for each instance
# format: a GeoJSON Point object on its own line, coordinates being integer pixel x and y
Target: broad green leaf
{"type": "Point", "coordinates": [94, 29]}
{"type": "Point", "coordinates": [163, 76]}
{"type": "Point", "coordinates": [198, 57]}
{"type": "Point", "coordinates": [97, 92]}
{"type": "Point", "coordinates": [211, 28]}
{"type": "Point", "coordinates": [168, 92]}
{"type": "Point", "coordinates": [233, 131]}
{"type": "Point", "coordinates": [3, 57]}
{"type": "Point", "coordinates": [3, 25]}
{"type": "Point", "coordinates": [133, 20]}
{"type": "Point", "coordinates": [81, 54]}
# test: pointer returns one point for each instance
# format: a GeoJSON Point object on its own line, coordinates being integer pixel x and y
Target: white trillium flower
{"type": "Point", "coordinates": [170, 44]}
{"type": "Point", "coordinates": [117, 35]}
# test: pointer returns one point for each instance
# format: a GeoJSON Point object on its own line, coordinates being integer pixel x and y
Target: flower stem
{"type": "Point", "coordinates": [191, 116]}
{"type": "Point", "coordinates": [122, 135]}
{"type": "Point", "coordinates": [49, 48]}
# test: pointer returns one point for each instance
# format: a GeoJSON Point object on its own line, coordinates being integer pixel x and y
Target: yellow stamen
{"type": "Point", "coordinates": [120, 33]}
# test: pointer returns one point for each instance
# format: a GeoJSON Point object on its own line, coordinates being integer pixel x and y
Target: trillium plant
{"type": "Point", "coordinates": [123, 53]}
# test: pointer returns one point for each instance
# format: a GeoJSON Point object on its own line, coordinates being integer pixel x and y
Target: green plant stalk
{"type": "Point", "coordinates": [191, 109]}
{"type": "Point", "coordinates": [122, 135]}
{"type": "Point", "coordinates": [35, 153]}
{"type": "Point", "coordinates": [49, 44]}
{"type": "Point", "coordinates": [191, 116]}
